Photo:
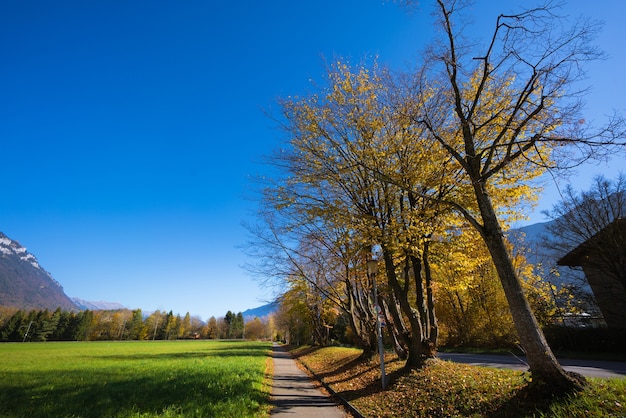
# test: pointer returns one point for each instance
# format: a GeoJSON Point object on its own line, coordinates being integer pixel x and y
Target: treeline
{"type": "Point", "coordinates": [125, 324]}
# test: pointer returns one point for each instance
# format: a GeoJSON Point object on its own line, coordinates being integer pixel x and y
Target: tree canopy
{"type": "Point", "coordinates": [397, 165]}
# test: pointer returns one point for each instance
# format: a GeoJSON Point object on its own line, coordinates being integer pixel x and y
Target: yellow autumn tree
{"type": "Point", "coordinates": [470, 302]}
{"type": "Point", "coordinates": [509, 106]}
{"type": "Point", "coordinates": [345, 143]}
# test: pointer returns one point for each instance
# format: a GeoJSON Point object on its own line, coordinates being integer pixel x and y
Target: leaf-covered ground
{"type": "Point", "coordinates": [446, 389]}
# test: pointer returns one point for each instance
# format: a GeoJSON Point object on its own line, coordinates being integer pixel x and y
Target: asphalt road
{"type": "Point", "coordinates": [588, 368]}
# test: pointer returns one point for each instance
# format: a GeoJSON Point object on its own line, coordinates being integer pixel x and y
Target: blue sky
{"type": "Point", "coordinates": [131, 130]}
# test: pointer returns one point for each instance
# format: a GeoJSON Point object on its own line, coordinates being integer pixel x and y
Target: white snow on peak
{"type": "Point", "coordinates": [10, 247]}
{"type": "Point", "coordinates": [31, 259]}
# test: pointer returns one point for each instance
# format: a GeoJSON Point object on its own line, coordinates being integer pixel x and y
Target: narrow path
{"type": "Point", "coordinates": [295, 395]}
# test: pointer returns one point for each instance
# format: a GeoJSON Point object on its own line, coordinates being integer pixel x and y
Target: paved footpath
{"type": "Point", "coordinates": [295, 395]}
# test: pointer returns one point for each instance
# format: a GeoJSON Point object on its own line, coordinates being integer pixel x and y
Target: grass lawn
{"type": "Point", "coordinates": [135, 379]}
{"type": "Point", "coordinates": [445, 389]}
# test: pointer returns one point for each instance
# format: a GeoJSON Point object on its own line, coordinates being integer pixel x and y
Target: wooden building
{"type": "Point", "coordinates": [603, 260]}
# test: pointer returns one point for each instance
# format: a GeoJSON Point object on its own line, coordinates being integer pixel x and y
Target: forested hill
{"type": "Point", "coordinates": [24, 283]}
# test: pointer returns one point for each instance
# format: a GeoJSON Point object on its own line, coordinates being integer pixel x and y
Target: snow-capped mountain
{"type": "Point", "coordinates": [24, 283]}
{"type": "Point", "coordinates": [9, 248]}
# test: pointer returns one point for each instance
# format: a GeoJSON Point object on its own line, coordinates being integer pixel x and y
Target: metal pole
{"type": "Point", "coordinates": [379, 330]}
{"type": "Point", "coordinates": [27, 330]}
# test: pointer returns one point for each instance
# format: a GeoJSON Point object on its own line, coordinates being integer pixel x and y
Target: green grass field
{"type": "Point", "coordinates": [135, 379]}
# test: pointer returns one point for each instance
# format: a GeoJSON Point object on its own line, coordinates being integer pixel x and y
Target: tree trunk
{"type": "Point", "coordinates": [364, 334]}
{"type": "Point", "coordinates": [396, 328]}
{"type": "Point", "coordinates": [543, 365]}
{"type": "Point", "coordinates": [415, 357]}
{"type": "Point", "coordinates": [433, 334]}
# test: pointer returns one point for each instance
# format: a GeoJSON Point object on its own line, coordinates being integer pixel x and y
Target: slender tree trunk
{"type": "Point", "coordinates": [397, 329]}
{"type": "Point", "coordinates": [415, 357]}
{"type": "Point", "coordinates": [433, 334]}
{"type": "Point", "coordinates": [461, 316]}
{"type": "Point", "coordinates": [423, 309]}
{"type": "Point", "coordinates": [420, 302]}
{"type": "Point", "coordinates": [543, 365]}
{"type": "Point", "coordinates": [362, 332]}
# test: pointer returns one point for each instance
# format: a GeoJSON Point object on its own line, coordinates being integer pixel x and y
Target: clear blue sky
{"type": "Point", "coordinates": [130, 130]}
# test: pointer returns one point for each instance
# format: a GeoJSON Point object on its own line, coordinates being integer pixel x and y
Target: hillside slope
{"type": "Point", "coordinates": [24, 284]}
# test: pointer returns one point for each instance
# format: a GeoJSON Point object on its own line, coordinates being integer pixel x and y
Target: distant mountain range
{"type": "Point", "coordinates": [24, 284]}
{"type": "Point", "coordinates": [97, 306]}
{"type": "Point", "coordinates": [260, 312]}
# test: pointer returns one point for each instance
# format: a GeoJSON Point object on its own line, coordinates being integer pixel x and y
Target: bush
{"type": "Point", "coordinates": [594, 340]}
